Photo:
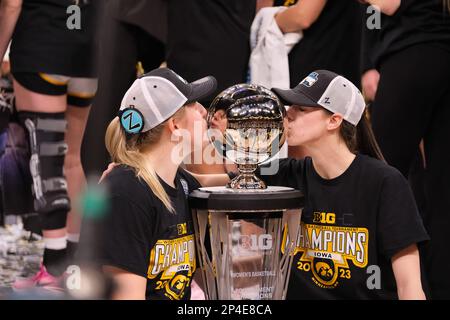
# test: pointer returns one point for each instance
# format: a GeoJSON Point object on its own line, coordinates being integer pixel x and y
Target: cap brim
{"type": "Point", "coordinates": [202, 88]}
{"type": "Point", "coordinates": [291, 97]}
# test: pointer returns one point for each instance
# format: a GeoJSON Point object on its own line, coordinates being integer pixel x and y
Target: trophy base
{"type": "Point", "coordinates": [245, 240]}
{"type": "Point", "coordinates": [227, 190]}
{"type": "Point", "coordinates": [226, 199]}
{"type": "Point", "coordinates": [246, 181]}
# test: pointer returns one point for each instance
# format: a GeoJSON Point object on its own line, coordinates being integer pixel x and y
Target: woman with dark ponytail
{"type": "Point", "coordinates": [360, 138]}
{"type": "Point", "coordinates": [410, 79]}
{"type": "Point", "coordinates": [360, 224]}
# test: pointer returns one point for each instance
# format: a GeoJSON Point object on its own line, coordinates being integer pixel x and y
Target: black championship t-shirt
{"type": "Point", "coordinates": [42, 42]}
{"type": "Point", "coordinates": [351, 227]}
{"type": "Point", "coordinates": [415, 22]}
{"type": "Point", "coordinates": [332, 42]}
{"type": "Point", "coordinates": [210, 37]}
{"type": "Point", "coordinates": [141, 236]}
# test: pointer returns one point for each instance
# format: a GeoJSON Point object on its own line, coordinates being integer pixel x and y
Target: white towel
{"type": "Point", "coordinates": [269, 64]}
{"type": "Point", "coordinates": [6, 57]}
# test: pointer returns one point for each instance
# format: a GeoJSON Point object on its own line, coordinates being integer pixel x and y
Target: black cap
{"type": "Point", "coordinates": [156, 96]}
{"type": "Point", "coordinates": [193, 91]}
{"type": "Point", "coordinates": [308, 92]}
{"type": "Point", "coordinates": [328, 90]}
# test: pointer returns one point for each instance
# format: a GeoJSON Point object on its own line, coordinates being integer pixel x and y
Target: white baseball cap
{"type": "Point", "coordinates": [326, 89]}
{"type": "Point", "coordinates": [156, 96]}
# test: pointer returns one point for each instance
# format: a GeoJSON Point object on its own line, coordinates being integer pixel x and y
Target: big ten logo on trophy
{"type": "Point", "coordinates": [255, 242]}
{"type": "Point", "coordinates": [324, 217]}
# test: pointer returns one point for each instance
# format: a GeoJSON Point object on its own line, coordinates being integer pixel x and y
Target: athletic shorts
{"type": "Point", "coordinates": [80, 91]}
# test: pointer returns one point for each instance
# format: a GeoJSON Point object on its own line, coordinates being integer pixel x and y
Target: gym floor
{"type": "Point", "coordinates": [19, 257]}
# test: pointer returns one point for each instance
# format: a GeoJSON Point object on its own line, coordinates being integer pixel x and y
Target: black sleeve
{"type": "Point", "coordinates": [288, 173]}
{"type": "Point", "coordinates": [126, 236]}
{"type": "Point", "coordinates": [368, 42]}
{"type": "Point", "coordinates": [399, 223]}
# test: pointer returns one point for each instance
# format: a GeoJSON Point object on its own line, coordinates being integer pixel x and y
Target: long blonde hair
{"type": "Point", "coordinates": [130, 151]}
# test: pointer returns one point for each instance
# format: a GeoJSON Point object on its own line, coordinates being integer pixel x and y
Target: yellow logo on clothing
{"type": "Point", "coordinates": [174, 261]}
{"type": "Point", "coordinates": [326, 250]}
{"type": "Point", "coordinates": [172, 256]}
{"type": "Point", "coordinates": [324, 217]}
{"type": "Point", "coordinates": [182, 229]}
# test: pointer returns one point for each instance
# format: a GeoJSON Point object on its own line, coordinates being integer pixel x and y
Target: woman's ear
{"type": "Point", "coordinates": [335, 121]}
{"type": "Point", "coordinates": [175, 127]}
{"type": "Point", "coordinates": [172, 125]}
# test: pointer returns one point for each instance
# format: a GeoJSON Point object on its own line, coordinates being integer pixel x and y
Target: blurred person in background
{"type": "Point", "coordinates": [410, 55]}
{"type": "Point", "coordinates": [210, 37]}
{"type": "Point", "coordinates": [52, 63]}
{"type": "Point", "coordinates": [331, 40]}
{"type": "Point", "coordinates": [132, 34]}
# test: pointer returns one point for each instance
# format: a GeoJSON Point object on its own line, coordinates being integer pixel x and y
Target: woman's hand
{"type": "Point", "coordinates": [369, 83]}
{"type": "Point", "coordinates": [5, 68]}
{"type": "Point", "coordinates": [211, 180]}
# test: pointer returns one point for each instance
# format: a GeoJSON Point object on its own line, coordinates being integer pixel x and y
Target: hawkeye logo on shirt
{"type": "Point", "coordinates": [326, 250]}
{"type": "Point", "coordinates": [173, 261]}
{"type": "Point", "coordinates": [182, 229]}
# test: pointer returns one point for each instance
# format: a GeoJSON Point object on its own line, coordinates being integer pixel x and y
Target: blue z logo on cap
{"type": "Point", "coordinates": [132, 120]}
{"type": "Point", "coordinates": [310, 80]}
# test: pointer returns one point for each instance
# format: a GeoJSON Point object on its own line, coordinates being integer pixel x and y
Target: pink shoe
{"type": "Point", "coordinates": [42, 279]}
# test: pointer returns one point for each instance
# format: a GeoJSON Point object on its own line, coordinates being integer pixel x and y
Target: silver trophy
{"type": "Point", "coordinates": [246, 232]}
{"type": "Point", "coordinates": [246, 126]}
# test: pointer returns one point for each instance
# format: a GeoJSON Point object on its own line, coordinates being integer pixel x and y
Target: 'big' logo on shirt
{"type": "Point", "coordinates": [324, 217]}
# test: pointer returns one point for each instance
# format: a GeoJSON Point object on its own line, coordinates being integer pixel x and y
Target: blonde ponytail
{"type": "Point", "coordinates": [129, 152]}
